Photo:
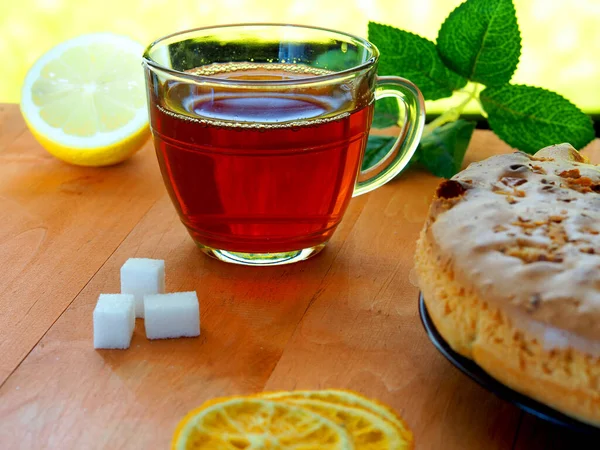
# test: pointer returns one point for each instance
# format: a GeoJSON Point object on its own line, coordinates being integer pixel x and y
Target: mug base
{"type": "Point", "coordinates": [262, 259]}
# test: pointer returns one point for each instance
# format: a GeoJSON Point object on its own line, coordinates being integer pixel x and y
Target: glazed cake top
{"type": "Point", "coordinates": [524, 232]}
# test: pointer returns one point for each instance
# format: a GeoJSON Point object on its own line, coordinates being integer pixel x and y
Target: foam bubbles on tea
{"type": "Point", "coordinates": [248, 108]}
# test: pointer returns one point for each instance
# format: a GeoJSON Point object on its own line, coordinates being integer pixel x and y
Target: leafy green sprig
{"type": "Point", "coordinates": [476, 53]}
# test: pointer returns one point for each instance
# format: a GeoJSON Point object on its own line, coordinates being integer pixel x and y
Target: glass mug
{"type": "Point", "coordinates": [260, 131]}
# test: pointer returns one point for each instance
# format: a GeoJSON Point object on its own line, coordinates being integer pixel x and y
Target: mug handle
{"type": "Point", "coordinates": [407, 141]}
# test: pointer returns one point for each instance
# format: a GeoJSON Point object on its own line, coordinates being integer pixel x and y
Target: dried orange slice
{"type": "Point", "coordinates": [257, 423]}
{"type": "Point", "coordinates": [368, 431]}
{"type": "Point", "coordinates": [353, 400]}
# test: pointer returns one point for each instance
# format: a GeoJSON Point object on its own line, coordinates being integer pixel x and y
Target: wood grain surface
{"type": "Point", "coordinates": [345, 319]}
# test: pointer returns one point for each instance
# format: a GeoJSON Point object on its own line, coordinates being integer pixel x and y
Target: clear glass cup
{"type": "Point", "coordinates": [260, 131]}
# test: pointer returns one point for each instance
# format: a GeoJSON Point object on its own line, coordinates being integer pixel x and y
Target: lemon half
{"type": "Point", "coordinates": [84, 100]}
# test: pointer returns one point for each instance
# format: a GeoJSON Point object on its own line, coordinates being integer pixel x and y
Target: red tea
{"type": "Point", "coordinates": [259, 171]}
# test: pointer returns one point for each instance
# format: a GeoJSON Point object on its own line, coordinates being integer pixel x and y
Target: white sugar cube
{"type": "Point", "coordinates": [142, 276]}
{"type": "Point", "coordinates": [172, 315]}
{"type": "Point", "coordinates": [114, 320]}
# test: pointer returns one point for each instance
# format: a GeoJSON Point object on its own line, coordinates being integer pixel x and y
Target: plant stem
{"type": "Point", "coordinates": [451, 114]}
{"type": "Point", "coordinates": [481, 108]}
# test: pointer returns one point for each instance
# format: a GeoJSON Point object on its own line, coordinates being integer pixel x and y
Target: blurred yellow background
{"type": "Point", "coordinates": [561, 38]}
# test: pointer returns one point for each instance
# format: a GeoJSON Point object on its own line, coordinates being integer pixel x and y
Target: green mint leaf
{"type": "Point", "coordinates": [529, 118]}
{"type": "Point", "coordinates": [377, 148]}
{"type": "Point", "coordinates": [416, 58]}
{"type": "Point", "coordinates": [442, 152]}
{"type": "Point", "coordinates": [386, 113]}
{"type": "Point", "coordinates": [480, 40]}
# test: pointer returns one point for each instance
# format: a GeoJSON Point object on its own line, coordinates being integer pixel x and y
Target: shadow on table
{"type": "Point", "coordinates": [539, 434]}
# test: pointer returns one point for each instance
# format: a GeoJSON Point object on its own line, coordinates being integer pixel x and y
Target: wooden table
{"type": "Point", "coordinates": [346, 319]}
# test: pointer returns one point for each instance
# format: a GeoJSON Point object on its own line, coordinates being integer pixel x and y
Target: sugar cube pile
{"type": "Point", "coordinates": [142, 276]}
{"type": "Point", "coordinates": [114, 321]}
{"type": "Point", "coordinates": [142, 295]}
{"type": "Point", "coordinates": [172, 315]}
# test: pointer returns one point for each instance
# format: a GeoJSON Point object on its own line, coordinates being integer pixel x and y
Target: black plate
{"type": "Point", "coordinates": [481, 377]}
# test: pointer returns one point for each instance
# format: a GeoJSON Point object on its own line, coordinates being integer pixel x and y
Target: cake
{"type": "Point", "coordinates": [508, 263]}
